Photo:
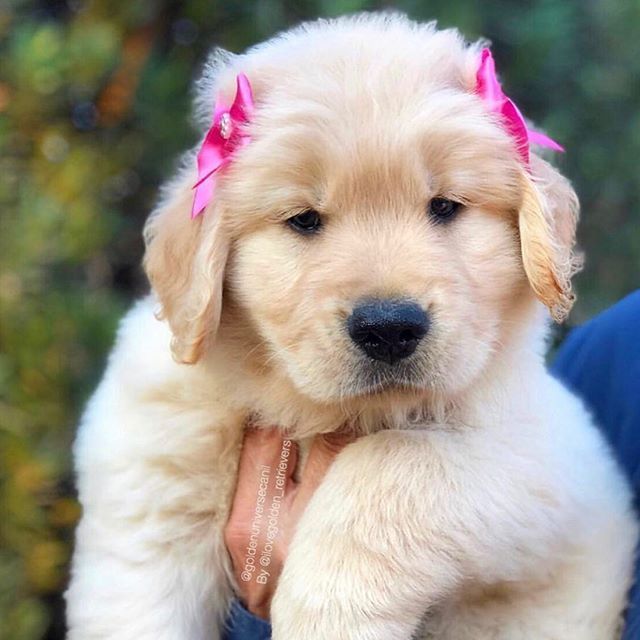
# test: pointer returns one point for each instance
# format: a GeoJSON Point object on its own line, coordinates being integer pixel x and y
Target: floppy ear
{"type": "Point", "coordinates": [184, 258]}
{"type": "Point", "coordinates": [184, 261]}
{"type": "Point", "coordinates": [547, 221]}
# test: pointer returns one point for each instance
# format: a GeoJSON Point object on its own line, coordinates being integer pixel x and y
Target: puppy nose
{"type": "Point", "coordinates": [388, 330]}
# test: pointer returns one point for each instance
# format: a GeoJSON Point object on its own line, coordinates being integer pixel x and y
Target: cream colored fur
{"type": "Point", "coordinates": [480, 502]}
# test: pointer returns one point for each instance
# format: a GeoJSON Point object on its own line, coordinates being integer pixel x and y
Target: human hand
{"type": "Point", "coordinates": [267, 505]}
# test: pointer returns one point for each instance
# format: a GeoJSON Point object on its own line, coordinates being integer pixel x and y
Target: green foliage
{"type": "Point", "coordinates": [94, 107]}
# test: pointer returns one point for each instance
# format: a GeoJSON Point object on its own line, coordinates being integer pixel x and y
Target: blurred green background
{"type": "Point", "coordinates": [94, 106]}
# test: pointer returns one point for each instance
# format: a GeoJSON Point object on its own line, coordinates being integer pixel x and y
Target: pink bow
{"type": "Point", "coordinates": [489, 89]}
{"type": "Point", "coordinates": [223, 138]}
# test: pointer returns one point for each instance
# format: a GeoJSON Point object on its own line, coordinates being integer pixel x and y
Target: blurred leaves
{"type": "Point", "coordinates": [94, 108]}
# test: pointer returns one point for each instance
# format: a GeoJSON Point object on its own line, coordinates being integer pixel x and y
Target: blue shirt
{"type": "Point", "coordinates": [600, 362]}
{"type": "Point", "coordinates": [241, 624]}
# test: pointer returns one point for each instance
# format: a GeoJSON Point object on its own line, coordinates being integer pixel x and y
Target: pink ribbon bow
{"type": "Point", "coordinates": [223, 138]}
{"type": "Point", "coordinates": [489, 89]}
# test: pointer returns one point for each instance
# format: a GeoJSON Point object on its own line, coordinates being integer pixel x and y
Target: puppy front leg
{"type": "Point", "coordinates": [370, 553]}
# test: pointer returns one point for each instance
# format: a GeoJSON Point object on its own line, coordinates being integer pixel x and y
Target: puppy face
{"type": "Point", "coordinates": [373, 229]}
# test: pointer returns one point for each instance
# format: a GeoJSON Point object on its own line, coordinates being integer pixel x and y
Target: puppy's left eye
{"type": "Point", "coordinates": [307, 222]}
{"type": "Point", "coordinates": [443, 209]}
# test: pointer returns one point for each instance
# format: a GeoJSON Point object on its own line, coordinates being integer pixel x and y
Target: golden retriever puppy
{"type": "Point", "coordinates": [376, 257]}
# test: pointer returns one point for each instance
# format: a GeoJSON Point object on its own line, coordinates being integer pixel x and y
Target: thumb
{"type": "Point", "coordinates": [324, 449]}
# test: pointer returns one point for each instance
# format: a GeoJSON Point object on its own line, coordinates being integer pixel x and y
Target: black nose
{"type": "Point", "coordinates": [388, 330]}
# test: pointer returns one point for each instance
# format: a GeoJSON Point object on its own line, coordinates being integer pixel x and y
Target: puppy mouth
{"type": "Point", "coordinates": [377, 378]}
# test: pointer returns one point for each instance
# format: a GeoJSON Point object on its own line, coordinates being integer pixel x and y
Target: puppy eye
{"type": "Point", "coordinates": [307, 222]}
{"type": "Point", "coordinates": [443, 209]}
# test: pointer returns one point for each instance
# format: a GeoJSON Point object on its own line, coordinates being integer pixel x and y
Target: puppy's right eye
{"type": "Point", "coordinates": [443, 209]}
{"type": "Point", "coordinates": [307, 222]}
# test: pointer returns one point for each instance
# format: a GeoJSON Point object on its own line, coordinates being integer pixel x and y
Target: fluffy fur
{"type": "Point", "coordinates": [480, 502]}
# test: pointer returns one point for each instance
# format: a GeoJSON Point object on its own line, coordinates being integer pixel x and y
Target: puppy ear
{"type": "Point", "coordinates": [547, 221]}
{"type": "Point", "coordinates": [184, 261]}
